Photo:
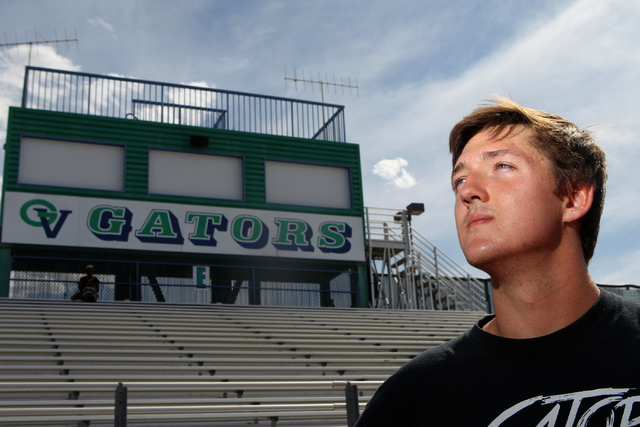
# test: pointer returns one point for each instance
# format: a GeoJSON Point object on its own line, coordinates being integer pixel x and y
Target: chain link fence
{"type": "Point", "coordinates": [55, 278]}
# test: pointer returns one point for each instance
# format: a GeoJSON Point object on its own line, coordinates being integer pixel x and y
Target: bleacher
{"type": "Point", "coordinates": [214, 365]}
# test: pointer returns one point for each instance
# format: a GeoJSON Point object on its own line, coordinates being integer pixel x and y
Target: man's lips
{"type": "Point", "coordinates": [477, 219]}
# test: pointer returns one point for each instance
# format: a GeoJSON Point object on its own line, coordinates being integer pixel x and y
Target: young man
{"type": "Point", "coordinates": [529, 192]}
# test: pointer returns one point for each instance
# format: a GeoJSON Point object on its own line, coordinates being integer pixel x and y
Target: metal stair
{"type": "Point", "coordinates": [406, 271]}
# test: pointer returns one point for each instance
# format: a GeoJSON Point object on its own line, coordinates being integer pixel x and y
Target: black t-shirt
{"type": "Point", "coordinates": [587, 374]}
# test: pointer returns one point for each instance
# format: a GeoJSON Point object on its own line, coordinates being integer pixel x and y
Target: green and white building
{"type": "Point", "coordinates": [179, 194]}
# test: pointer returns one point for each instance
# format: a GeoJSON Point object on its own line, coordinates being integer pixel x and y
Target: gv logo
{"type": "Point", "coordinates": [46, 216]}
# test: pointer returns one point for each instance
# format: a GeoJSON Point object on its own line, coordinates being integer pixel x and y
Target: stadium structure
{"type": "Point", "coordinates": [242, 279]}
{"type": "Point", "coordinates": [193, 195]}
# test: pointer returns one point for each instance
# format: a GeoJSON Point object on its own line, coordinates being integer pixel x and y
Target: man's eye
{"type": "Point", "coordinates": [457, 182]}
{"type": "Point", "coordinates": [503, 166]}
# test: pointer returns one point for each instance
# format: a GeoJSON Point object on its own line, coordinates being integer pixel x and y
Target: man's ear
{"type": "Point", "coordinates": [578, 202]}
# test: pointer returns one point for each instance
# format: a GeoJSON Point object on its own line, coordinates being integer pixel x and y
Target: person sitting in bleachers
{"type": "Point", "coordinates": [88, 286]}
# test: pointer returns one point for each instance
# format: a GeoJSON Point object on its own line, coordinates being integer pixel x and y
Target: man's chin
{"type": "Point", "coordinates": [482, 260]}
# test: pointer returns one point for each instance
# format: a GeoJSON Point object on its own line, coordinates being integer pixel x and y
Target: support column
{"type": "Point", "coordinates": [364, 286]}
{"type": "Point", "coordinates": [5, 270]}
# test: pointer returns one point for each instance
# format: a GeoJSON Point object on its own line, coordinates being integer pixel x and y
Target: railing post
{"type": "Point", "coordinates": [24, 87]}
{"type": "Point", "coordinates": [353, 406]}
{"type": "Point", "coordinates": [367, 228]}
{"type": "Point", "coordinates": [433, 301]}
{"type": "Point", "coordinates": [471, 302]}
{"type": "Point", "coordinates": [344, 129]}
{"type": "Point", "coordinates": [293, 131]}
{"type": "Point", "coordinates": [409, 272]}
{"type": "Point", "coordinates": [120, 419]}
{"type": "Point", "coordinates": [161, 104]}
{"type": "Point", "coordinates": [435, 261]}
{"type": "Point", "coordinates": [89, 97]}
{"type": "Point", "coordinates": [421, 279]}
{"type": "Point", "coordinates": [487, 295]}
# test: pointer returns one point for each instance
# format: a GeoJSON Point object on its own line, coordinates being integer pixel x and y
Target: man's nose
{"type": "Point", "coordinates": [474, 189]}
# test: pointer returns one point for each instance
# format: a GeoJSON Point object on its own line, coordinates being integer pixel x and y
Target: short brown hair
{"type": "Point", "coordinates": [575, 158]}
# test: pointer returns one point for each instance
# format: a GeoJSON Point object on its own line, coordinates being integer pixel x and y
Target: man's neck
{"type": "Point", "coordinates": [542, 301]}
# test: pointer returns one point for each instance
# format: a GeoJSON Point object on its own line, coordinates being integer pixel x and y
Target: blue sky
{"type": "Point", "coordinates": [420, 66]}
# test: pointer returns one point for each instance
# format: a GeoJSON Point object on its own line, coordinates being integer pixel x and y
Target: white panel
{"type": "Point", "coordinates": [195, 175]}
{"type": "Point", "coordinates": [307, 185]}
{"type": "Point", "coordinates": [71, 164]}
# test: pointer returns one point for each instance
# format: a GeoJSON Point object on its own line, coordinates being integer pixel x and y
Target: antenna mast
{"type": "Point", "coordinates": [30, 43]}
{"type": "Point", "coordinates": [320, 82]}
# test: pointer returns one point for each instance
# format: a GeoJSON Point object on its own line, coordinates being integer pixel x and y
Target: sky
{"type": "Point", "coordinates": [420, 66]}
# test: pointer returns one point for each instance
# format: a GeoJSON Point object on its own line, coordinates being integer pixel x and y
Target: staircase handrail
{"type": "Point", "coordinates": [386, 224]}
{"type": "Point", "coordinates": [450, 268]}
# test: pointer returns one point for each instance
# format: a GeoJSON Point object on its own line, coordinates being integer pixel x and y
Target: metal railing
{"type": "Point", "coordinates": [627, 291]}
{"type": "Point", "coordinates": [57, 278]}
{"type": "Point", "coordinates": [110, 96]}
{"type": "Point", "coordinates": [164, 411]}
{"type": "Point", "coordinates": [410, 272]}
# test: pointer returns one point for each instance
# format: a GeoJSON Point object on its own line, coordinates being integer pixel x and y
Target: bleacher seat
{"type": "Point", "coordinates": [60, 361]}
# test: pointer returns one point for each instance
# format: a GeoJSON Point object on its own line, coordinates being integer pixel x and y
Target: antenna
{"type": "Point", "coordinates": [320, 82]}
{"type": "Point", "coordinates": [37, 35]}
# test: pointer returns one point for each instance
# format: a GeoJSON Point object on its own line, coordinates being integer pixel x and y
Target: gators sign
{"type": "Point", "coordinates": [124, 224]}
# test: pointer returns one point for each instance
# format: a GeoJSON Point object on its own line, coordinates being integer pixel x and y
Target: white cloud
{"type": "Point", "coordinates": [393, 170]}
{"type": "Point", "coordinates": [12, 69]}
{"type": "Point", "coordinates": [99, 22]}
{"type": "Point", "coordinates": [200, 84]}
{"type": "Point", "coordinates": [389, 169]}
